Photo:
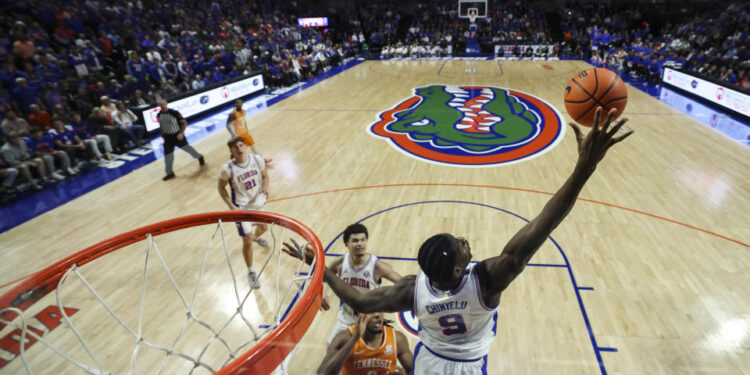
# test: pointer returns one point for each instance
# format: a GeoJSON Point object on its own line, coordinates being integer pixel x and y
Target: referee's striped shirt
{"type": "Point", "coordinates": [169, 121]}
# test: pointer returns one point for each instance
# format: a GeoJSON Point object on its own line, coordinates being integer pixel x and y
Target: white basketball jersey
{"type": "Point", "coordinates": [245, 181]}
{"type": "Point", "coordinates": [455, 324]}
{"type": "Point", "coordinates": [362, 278]}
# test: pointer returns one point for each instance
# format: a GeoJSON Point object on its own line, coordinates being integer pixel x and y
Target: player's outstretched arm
{"type": "Point", "coordinates": [394, 298]}
{"type": "Point", "coordinates": [341, 347]}
{"type": "Point", "coordinates": [397, 297]}
{"type": "Point", "coordinates": [497, 273]}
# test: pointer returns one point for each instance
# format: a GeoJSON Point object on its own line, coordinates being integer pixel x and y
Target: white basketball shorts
{"type": "Point", "coordinates": [427, 362]}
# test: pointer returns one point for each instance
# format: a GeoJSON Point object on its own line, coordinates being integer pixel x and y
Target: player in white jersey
{"type": "Point", "coordinates": [359, 269]}
{"type": "Point", "coordinates": [248, 181]}
{"type": "Point", "coordinates": [454, 301]}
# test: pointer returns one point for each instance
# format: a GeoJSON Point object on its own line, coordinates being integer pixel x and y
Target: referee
{"type": "Point", "coordinates": [173, 131]}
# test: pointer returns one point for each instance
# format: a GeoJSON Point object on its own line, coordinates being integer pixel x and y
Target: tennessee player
{"type": "Point", "coordinates": [369, 347]}
{"type": "Point", "coordinates": [237, 127]}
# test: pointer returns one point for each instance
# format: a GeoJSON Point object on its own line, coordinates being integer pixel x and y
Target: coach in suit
{"type": "Point", "coordinates": [173, 131]}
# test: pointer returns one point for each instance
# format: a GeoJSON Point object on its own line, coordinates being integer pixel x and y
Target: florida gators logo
{"type": "Point", "coordinates": [471, 126]}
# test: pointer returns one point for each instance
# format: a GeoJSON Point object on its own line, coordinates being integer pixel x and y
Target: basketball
{"type": "Point", "coordinates": [592, 88]}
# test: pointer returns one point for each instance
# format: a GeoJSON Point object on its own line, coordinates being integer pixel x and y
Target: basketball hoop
{"type": "Point", "coordinates": [268, 346]}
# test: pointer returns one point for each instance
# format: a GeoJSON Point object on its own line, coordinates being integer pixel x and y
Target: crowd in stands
{"type": "Point", "coordinates": [436, 30]}
{"type": "Point", "coordinates": [713, 43]}
{"type": "Point", "coordinates": [73, 72]}
{"type": "Point", "coordinates": [87, 65]}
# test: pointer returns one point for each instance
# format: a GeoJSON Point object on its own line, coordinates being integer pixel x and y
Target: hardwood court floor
{"type": "Point", "coordinates": [657, 246]}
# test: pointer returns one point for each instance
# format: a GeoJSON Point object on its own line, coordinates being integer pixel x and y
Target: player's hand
{"type": "Point", "coordinates": [593, 146]}
{"type": "Point", "coordinates": [80, 146]}
{"type": "Point", "coordinates": [324, 304]}
{"type": "Point", "coordinates": [361, 325]}
{"type": "Point", "coordinates": [399, 371]}
{"type": "Point", "coordinates": [296, 250]}
{"type": "Point", "coordinates": [180, 136]}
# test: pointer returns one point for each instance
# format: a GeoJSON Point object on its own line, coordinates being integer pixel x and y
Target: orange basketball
{"type": "Point", "coordinates": [593, 88]}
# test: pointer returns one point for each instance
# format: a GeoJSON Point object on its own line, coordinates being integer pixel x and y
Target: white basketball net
{"type": "Point", "coordinates": [473, 12]}
{"type": "Point", "coordinates": [298, 284]}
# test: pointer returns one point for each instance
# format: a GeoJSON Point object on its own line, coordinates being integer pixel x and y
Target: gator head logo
{"type": "Point", "coordinates": [470, 126]}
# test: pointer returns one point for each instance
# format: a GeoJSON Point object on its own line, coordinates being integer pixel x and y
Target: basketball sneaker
{"type": "Point", "coordinates": [252, 279]}
{"type": "Point", "coordinates": [261, 242]}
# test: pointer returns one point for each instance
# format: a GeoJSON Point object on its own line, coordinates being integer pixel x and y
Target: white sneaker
{"type": "Point", "coordinates": [71, 172]}
{"type": "Point", "coordinates": [261, 242]}
{"type": "Point", "coordinates": [252, 279]}
{"type": "Point", "coordinates": [57, 176]}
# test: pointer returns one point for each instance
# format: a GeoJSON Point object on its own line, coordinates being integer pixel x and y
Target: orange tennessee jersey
{"type": "Point", "coordinates": [240, 128]}
{"type": "Point", "coordinates": [366, 360]}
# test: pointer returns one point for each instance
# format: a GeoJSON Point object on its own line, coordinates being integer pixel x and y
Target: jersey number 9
{"type": "Point", "coordinates": [453, 324]}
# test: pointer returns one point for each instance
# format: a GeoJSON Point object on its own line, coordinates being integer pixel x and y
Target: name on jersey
{"type": "Point", "coordinates": [356, 281]}
{"type": "Point", "coordinates": [446, 306]}
{"type": "Point", "coordinates": [372, 363]}
{"type": "Point", "coordinates": [247, 175]}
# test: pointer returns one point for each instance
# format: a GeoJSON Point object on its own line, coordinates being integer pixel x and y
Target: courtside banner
{"type": "Point", "coordinates": [206, 100]}
{"type": "Point", "coordinates": [509, 48]}
{"type": "Point", "coordinates": [706, 114]}
{"type": "Point", "coordinates": [721, 95]}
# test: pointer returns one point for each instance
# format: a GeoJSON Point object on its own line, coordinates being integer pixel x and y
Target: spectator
{"type": "Point", "coordinates": [91, 139]}
{"type": "Point", "coordinates": [123, 119]}
{"type": "Point", "coordinates": [17, 155]}
{"type": "Point", "coordinates": [8, 176]}
{"type": "Point", "coordinates": [136, 68]}
{"type": "Point", "coordinates": [41, 145]}
{"type": "Point", "coordinates": [24, 95]}
{"type": "Point", "coordinates": [59, 112]}
{"type": "Point", "coordinates": [197, 82]}
{"type": "Point", "coordinates": [103, 125]}
{"type": "Point", "coordinates": [39, 118]}
{"type": "Point", "coordinates": [23, 47]}
{"type": "Point", "coordinates": [107, 106]}
{"type": "Point", "coordinates": [82, 101]}
{"type": "Point", "coordinates": [66, 139]}
{"type": "Point", "coordinates": [12, 124]}
{"type": "Point", "coordinates": [138, 100]}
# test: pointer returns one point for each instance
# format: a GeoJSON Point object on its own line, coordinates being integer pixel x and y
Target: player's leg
{"type": "Point", "coordinates": [247, 250]}
{"type": "Point", "coordinates": [245, 230]}
{"type": "Point", "coordinates": [259, 230]}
